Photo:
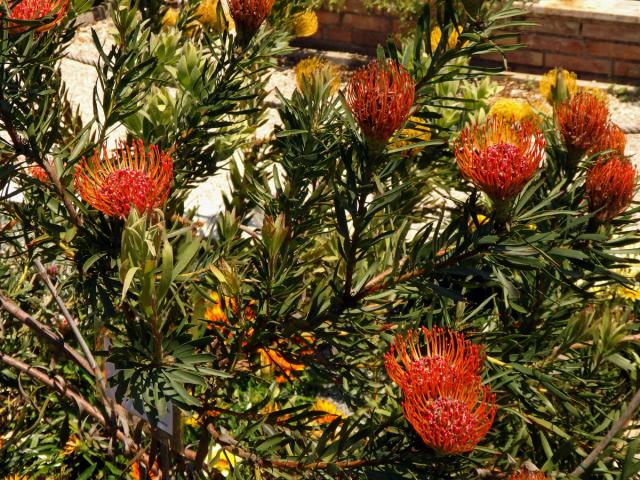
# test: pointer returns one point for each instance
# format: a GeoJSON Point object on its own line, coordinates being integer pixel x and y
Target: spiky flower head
{"type": "Point", "coordinates": [129, 177]}
{"type": "Point", "coordinates": [305, 24]}
{"type": "Point", "coordinates": [513, 110]}
{"type": "Point", "coordinates": [609, 187]}
{"type": "Point", "coordinates": [455, 421]}
{"type": "Point", "coordinates": [274, 362]}
{"type": "Point", "coordinates": [39, 173]}
{"type": "Point", "coordinates": [500, 157]}
{"type": "Point", "coordinates": [307, 68]}
{"type": "Point", "coordinates": [249, 15]}
{"type": "Point", "coordinates": [525, 474]}
{"type": "Point", "coordinates": [418, 132]}
{"type": "Point", "coordinates": [137, 472]}
{"type": "Point", "coordinates": [558, 84]}
{"type": "Point", "coordinates": [427, 358]}
{"type": "Point", "coordinates": [330, 408]}
{"type": "Point", "coordinates": [34, 10]}
{"type": "Point", "coordinates": [380, 96]}
{"type": "Point", "coordinates": [613, 138]}
{"type": "Point", "coordinates": [582, 121]}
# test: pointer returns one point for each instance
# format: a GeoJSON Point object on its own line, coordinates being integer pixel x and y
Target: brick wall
{"type": "Point", "coordinates": [596, 38]}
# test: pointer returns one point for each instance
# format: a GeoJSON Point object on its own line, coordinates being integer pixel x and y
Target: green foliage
{"type": "Point", "coordinates": [325, 249]}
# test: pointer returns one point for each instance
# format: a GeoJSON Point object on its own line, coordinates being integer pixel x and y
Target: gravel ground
{"type": "Point", "coordinates": [80, 79]}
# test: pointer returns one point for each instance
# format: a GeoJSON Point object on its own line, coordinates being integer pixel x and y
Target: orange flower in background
{"type": "Point", "coordinates": [613, 138]}
{"type": "Point", "coordinates": [39, 173]}
{"type": "Point", "coordinates": [455, 421]}
{"type": "Point", "coordinates": [130, 177]}
{"type": "Point", "coordinates": [582, 121]}
{"type": "Point", "coordinates": [380, 96]}
{"type": "Point", "coordinates": [442, 354]}
{"type": "Point", "coordinates": [217, 316]}
{"type": "Point", "coordinates": [249, 15]}
{"type": "Point", "coordinates": [526, 474]}
{"type": "Point", "coordinates": [609, 187]}
{"type": "Point", "coordinates": [136, 473]}
{"type": "Point", "coordinates": [273, 362]}
{"type": "Point", "coordinates": [34, 10]}
{"type": "Point", "coordinates": [500, 157]}
{"type": "Point", "coordinates": [216, 313]}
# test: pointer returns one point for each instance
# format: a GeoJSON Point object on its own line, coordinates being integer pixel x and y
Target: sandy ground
{"type": "Point", "coordinates": [80, 79]}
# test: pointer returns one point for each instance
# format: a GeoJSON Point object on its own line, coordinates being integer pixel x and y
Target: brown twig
{"type": "Point", "coordinates": [45, 333]}
{"type": "Point", "coordinates": [599, 448]}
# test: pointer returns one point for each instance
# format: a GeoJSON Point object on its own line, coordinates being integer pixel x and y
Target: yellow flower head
{"type": "Point", "coordinates": [548, 83]}
{"type": "Point", "coordinates": [207, 12]}
{"type": "Point", "coordinates": [480, 220]}
{"type": "Point", "coordinates": [630, 292]}
{"type": "Point", "coordinates": [596, 92]}
{"type": "Point", "coordinates": [222, 460]}
{"type": "Point", "coordinates": [72, 445]}
{"type": "Point", "coordinates": [16, 477]}
{"type": "Point", "coordinates": [215, 313]}
{"type": "Point", "coordinates": [170, 18]}
{"type": "Point", "coordinates": [307, 68]}
{"type": "Point", "coordinates": [331, 409]}
{"type": "Point", "coordinates": [305, 24]}
{"type": "Point", "coordinates": [436, 36]}
{"type": "Point", "coordinates": [419, 132]}
{"type": "Point", "coordinates": [513, 110]}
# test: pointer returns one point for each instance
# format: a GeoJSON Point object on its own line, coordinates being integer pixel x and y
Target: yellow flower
{"type": "Point", "coordinates": [215, 313]}
{"type": "Point", "coordinates": [222, 460]}
{"type": "Point", "coordinates": [206, 13]}
{"type": "Point", "coordinates": [305, 24]}
{"type": "Point", "coordinates": [514, 110]}
{"type": "Point", "coordinates": [331, 409]}
{"type": "Point", "coordinates": [436, 36]}
{"type": "Point", "coordinates": [72, 445]}
{"type": "Point", "coordinates": [629, 293]}
{"type": "Point", "coordinates": [170, 18]}
{"type": "Point", "coordinates": [419, 132]}
{"type": "Point", "coordinates": [480, 219]}
{"type": "Point", "coordinates": [308, 67]}
{"type": "Point", "coordinates": [16, 477]}
{"type": "Point", "coordinates": [548, 83]}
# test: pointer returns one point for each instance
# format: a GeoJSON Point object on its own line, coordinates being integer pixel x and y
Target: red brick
{"type": "Point", "coordinates": [626, 69]}
{"type": "Point", "coordinates": [552, 43]}
{"type": "Point", "coordinates": [548, 24]}
{"type": "Point", "coordinates": [622, 32]}
{"type": "Point", "coordinates": [520, 57]}
{"type": "Point", "coordinates": [337, 34]}
{"type": "Point", "coordinates": [579, 63]}
{"type": "Point", "coordinates": [354, 6]}
{"type": "Point", "coordinates": [622, 51]}
{"type": "Point", "coordinates": [328, 18]}
{"type": "Point", "coordinates": [369, 38]}
{"type": "Point", "coordinates": [367, 22]}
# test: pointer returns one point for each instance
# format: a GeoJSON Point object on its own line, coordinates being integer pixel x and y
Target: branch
{"type": "Point", "coordinates": [620, 423]}
{"type": "Point", "coordinates": [45, 333]}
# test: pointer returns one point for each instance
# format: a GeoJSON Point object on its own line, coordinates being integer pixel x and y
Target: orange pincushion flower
{"type": "Point", "coordinates": [33, 10]}
{"type": "Point", "coordinates": [443, 354]}
{"type": "Point", "coordinates": [249, 14]}
{"type": "Point", "coordinates": [582, 121]}
{"type": "Point", "coordinates": [130, 177]}
{"type": "Point", "coordinates": [455, 421]}
{"type": "Point", "coordinates": [526, 474]}
{"type": "Point", "coordinates": [613, 138]}
{"type": "Point", "coordinates": [380, 97]}
{"type": "Point", "coordinates": [500, 157]}
{"type": "Point", "coordinates": [609, 187]}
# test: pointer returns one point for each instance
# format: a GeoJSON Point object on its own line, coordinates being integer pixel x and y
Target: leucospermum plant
{"type": "Point", "coordinates": [389, 290]}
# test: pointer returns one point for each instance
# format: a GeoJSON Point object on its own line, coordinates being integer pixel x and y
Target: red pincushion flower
{"type": "Point", "coordinates": [500, 157]}
{"type": "Point", "coordinates": [249, 15]}
{"type": "Point", "coordinates": [443, 355]}
{"type": "Point", "coordinates": [609, 187]}
{"type": "Point", "coordinates": [613, 138]}
{"type": "Point", "coordinates": [32, 10]}
{"type": "Point", "coordinates": [526, 474]}
{"type": "Point", "coordinates": [39, 173]}
{"type": "Point", "coordinates": [132, 176]}
{"type": "Point", "coordinates": [380, 97]}
{"type": "Point", "coordinates": [582, 121]}
{"type": "Point", "coordinates": [457, 420]}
